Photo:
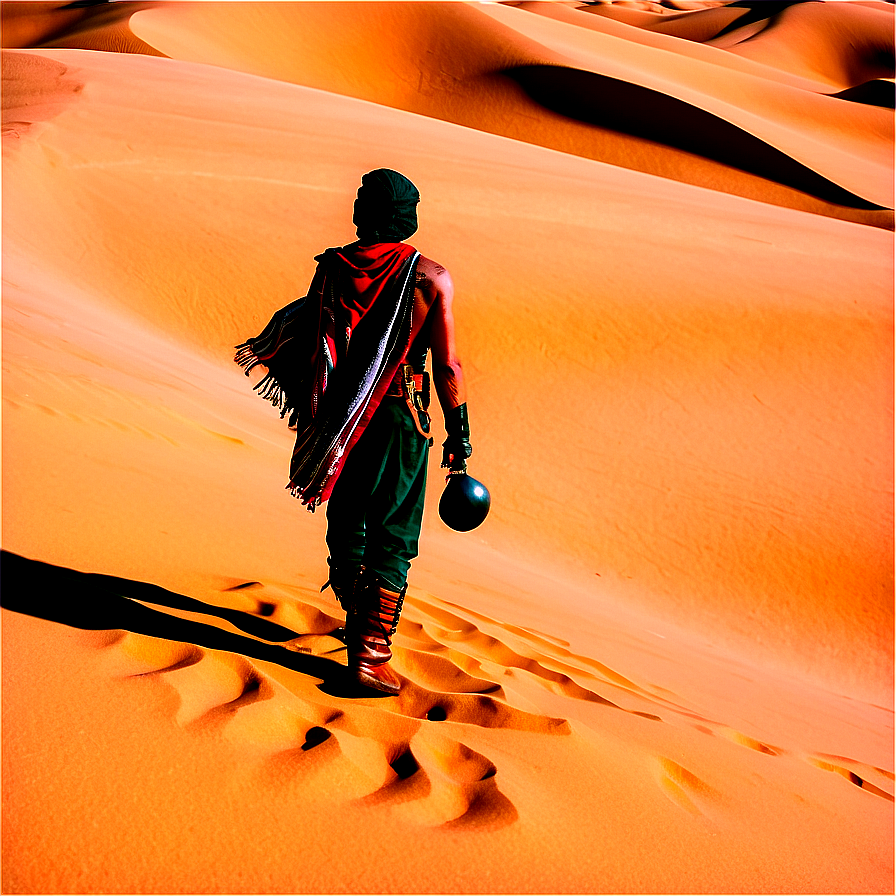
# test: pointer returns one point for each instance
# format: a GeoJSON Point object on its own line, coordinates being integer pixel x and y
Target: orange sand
{"type": "Point", "coordinates": [664, 663]}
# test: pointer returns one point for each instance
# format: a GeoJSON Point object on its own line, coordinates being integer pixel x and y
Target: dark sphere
{"type": "Point", "coordinates": [464, 503]}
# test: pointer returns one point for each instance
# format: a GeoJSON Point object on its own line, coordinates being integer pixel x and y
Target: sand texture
{"type": "Point", "coordinates": [665, 661]}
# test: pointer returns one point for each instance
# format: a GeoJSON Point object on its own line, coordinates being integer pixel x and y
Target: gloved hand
{"type": "Point", "coordinates": [456, 448]}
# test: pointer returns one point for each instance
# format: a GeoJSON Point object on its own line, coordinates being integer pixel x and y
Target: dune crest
{"type": "Point", "coordinates": [89, 26]}
{"type": "Point", "coordinates": [473, 83]}
{"type": "Point", "coordinates": [843, 45]}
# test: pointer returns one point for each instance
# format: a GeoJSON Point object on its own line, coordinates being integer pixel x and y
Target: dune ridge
{"type": "Point", "coordinates": [670, 645]}
{"type": "Point", "coordinates": [841, 46]}
{"type": "Point", "coordinates": [470, 86]}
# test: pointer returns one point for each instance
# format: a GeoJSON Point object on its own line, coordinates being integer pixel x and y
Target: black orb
{"type": "Point", "coordinates": [464, 503]}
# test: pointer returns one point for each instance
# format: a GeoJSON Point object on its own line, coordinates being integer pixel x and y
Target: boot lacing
{"type": "Point", "coordinates": [390, 607]}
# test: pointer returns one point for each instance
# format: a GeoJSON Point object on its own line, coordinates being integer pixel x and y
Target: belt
{"type": "Point", "coordinates": [414, 388]}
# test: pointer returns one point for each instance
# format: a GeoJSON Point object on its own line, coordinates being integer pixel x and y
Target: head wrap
{"type": "Point", "coordinates": [386, 207]}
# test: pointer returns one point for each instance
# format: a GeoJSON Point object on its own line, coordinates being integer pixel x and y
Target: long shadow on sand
{"type": "Point", "coordinates": [99, 602]}
{"type": "Point", "coordinates": [630, 108]}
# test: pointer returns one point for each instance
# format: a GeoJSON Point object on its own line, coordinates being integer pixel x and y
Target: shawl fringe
{"type": "Point", "coordinates": [268, 387]}
{"type": "Point", "coordinates": [279, 385]}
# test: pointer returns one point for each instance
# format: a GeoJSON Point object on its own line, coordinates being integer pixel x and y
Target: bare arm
{"type": "Point", "coordinates": [436, 289]}
{"type": "Point", "coordinates": [448, 374]}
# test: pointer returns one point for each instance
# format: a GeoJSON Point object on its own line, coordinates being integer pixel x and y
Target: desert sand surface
{"type": "Point", "coordinates": [664, 664]}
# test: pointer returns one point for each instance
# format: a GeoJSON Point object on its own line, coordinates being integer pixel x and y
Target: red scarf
{"type": "Point", "coordinates": [331, 355]}
{"type": "Point", "coordinates": [363, 296]}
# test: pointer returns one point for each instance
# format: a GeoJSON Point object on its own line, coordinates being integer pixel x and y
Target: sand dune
{"type": "Point", "coordinates": [432, 763]}
{"type": "Point", "coordinates": [474, 82]}
{"type": "Point", "coordinates": [89, 27]}
{"type": "Point", "coordinates": [442, 765]}
{"type": "Point", "coordinates": [844, 45]}
{"type": "Point", "coordinates": [669, 647]}
{"type": "Point", "coordinates": [697, 24]}
{"type": "Point", "coordinates": [732, 371]}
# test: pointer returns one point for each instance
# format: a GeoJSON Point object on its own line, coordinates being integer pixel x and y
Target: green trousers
{"type": "Point", "coordinates": [376, 508]}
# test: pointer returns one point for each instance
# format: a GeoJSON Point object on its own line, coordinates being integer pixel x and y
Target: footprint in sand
{"type": "Point", "coordinates": [749, 742]}
{"type": "Point", "coordinates": [217, 681]}
{"type": "Point", "coordinates": [400, 749]}
{"type": "Point", "coordinates": [409, 752]}
{"type": "Point", "coordinates": [486, 649]}
{"type": "Point", "coordinates": [858, 774]}
{"type": "Point", "coordinates": [457, 786]}
{"type": "Point", "coordinates": [413, 751]}
{"type": "Point", "coordinates": [131, 654]}
{"type": "Point", "coordinates": [684, 788]}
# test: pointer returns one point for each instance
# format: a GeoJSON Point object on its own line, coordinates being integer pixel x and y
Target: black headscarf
{"type": "Point", "coordinates": [386, 207]}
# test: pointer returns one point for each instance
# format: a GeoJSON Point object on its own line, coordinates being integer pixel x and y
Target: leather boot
{"type": "Point", "coordinates": [369, 627]}
{"type": "Point", "coordinates": [345, 580]}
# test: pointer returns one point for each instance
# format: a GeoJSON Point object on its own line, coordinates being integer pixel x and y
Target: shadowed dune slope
{"type": "Point", "coordinates": [660, 118]}
{"type": "Point", "coordinates": [696, 25]}
{"type": "Point", "coordinates": [841, 44]}
{"type": "Point", "coordinates": [613, 20]}
{"type": "Point", "coordinates": [466, 77]}
{"type": "Point", "coordinates": [29, 24]}
{"type": "Point", "coordinates": [809, 127]}
{"type": "Point", "coordinates": [747, 20]}
{"type": "Point", "coordinates": [100, 26]}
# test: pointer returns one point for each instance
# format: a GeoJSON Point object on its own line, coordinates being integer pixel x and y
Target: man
{"type": "Point", "coordinates": [347, 362]}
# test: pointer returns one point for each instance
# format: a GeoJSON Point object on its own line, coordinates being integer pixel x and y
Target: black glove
{"type": "Point", "coordinates": [456, 448]}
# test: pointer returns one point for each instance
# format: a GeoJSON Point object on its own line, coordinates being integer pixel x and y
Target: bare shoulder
{"type": "Point", "coordinates": [433, 278]}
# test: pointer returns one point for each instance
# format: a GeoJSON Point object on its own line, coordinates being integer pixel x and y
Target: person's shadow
{"type": "Point", "coordinates": [100, 602]}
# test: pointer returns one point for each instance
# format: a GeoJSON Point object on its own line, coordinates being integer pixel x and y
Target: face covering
{"type": "Point", "coordinates": [386, 207]}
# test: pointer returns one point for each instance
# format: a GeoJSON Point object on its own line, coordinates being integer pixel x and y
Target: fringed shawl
{"type": "Point", "coordinates": [282, 384]}
{"type": "Point", "coordinates": [331, 355]}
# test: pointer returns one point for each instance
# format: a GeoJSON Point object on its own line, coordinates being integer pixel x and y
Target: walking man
{"type": "Point", "coordinates": [347, 363]}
